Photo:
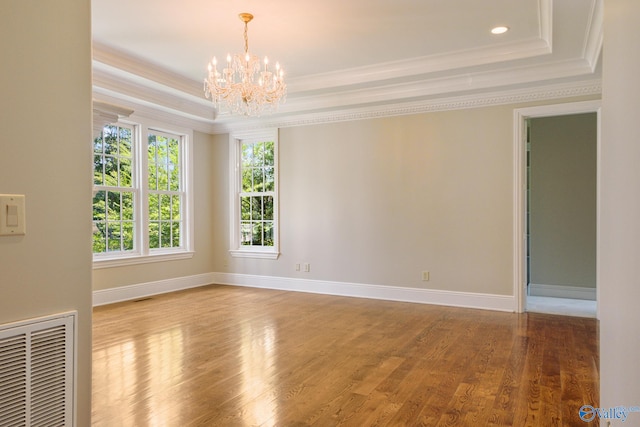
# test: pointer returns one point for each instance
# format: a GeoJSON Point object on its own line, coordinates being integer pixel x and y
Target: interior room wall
{"type": "Point", "coordinates": [45, 116]}
{"type": "Point", "coordinates": [379, 201]}
{"type": "Point", "coordinates": [620, 210]}
{"type": "Point", "coordinates": [563, 172]}
{"type": "Point", "coordinates": [201, 263]}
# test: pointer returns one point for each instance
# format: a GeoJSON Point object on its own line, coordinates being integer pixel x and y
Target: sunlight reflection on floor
{"type": "Point", "coordinates": [258, 366]}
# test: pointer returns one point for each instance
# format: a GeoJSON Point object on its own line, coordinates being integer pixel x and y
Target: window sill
{"type": "Point", "coordinates": [254, 253]}
{"type": "Point", "coordinates": [123, 261]}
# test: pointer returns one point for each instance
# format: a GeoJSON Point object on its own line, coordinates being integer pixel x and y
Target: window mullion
{"type": "Point", "coordinates": [184, 207]}
{"type": "Point", "coordinates": [143, 189]}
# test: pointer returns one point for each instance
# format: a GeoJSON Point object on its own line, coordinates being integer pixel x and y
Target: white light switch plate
{"type": "Point", "coordinates": [12, 215]}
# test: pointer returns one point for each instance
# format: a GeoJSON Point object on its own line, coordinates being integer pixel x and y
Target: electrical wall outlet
{"type": "Point", "coordinates": [307, 267]}
{"type": "Point", "coordinates": [425, 276]}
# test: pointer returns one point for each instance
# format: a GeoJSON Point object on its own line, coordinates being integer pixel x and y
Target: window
{"type": "Point", "coordinates": [113, 202]}
{"type": "Point", "coordinates": [165, 196]}
{"type": "Point", "coordinates": [254, 205]}
{"type": "Point", "coordinates": [141, 204]}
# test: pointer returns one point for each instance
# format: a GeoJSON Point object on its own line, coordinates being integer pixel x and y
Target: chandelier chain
{"type": "Point", "coordinates": [246, 37]}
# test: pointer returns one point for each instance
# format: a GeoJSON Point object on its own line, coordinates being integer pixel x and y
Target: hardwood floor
{"type": "Point", "coordinates": [227, 356]}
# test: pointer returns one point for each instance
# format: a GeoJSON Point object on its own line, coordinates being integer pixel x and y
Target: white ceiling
{"type": "Point", "coordinates": [346, 58]}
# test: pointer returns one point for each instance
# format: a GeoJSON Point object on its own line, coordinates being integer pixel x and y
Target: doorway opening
{"type": "Point", "coordinates": [556, 161]}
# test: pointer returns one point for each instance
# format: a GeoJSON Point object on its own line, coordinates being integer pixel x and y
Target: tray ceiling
{"type": "Point", "coordinates": [344, 59]}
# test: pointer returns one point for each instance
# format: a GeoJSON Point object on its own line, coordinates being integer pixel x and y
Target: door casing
{"type": "Point", "coordinates": [520, 117]}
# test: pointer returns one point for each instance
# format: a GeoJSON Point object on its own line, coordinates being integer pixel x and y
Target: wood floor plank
{"type": "Point", "coordinates": [227, 356]}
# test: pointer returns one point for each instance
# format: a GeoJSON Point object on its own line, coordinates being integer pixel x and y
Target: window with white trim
{"type": "Point", "coordinates": [114, 190]}
{"type": "Point", "coordinates": [165, 195]}
{"type": "Point", "coordinates": [141, 204]}
{"type": "Point", "coordinates": [254, 192]}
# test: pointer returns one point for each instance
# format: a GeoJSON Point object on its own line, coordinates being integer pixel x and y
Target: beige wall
{"type": "Point", "coordinates": [563, 200]}
{"type": "Point", "coordinates": [45, 117]}
{"type": "Point", "coordinates": [379, 201]}
{"type": "Point", "coordinates": [371, 201]}
{"type": "Point", "coordinates": [619, 232]}
{"type": "Point", "coordinates": [203, 182]}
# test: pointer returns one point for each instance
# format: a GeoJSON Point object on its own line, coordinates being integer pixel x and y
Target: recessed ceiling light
{"type": "Point", "coordinates": [499, 30]}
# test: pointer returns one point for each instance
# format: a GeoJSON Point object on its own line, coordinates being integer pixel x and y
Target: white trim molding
{"type": "Point", "coordinates": [121, 261]}
{"type": "Point", "coordinates": [141, 127]}
{"type": "Point", "coordinates": [460, 102]}
{"type": "Point", "coordinates": [519, 186]}
{"type": "Point", "coordinates": [361, 290]}
{"type": "Point", "coordinates": [356, 290]}
{"type": "Point", "coordinates": [142, 290]}
{"type": "Point", "coordinates": [105, 113]}
{"type": "Point", "coordinates": [236, 249]}
{"type": "Point", "coordinates": [561, 291]}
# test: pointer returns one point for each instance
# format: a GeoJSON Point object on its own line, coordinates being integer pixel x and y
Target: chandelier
{"type": "Point", "coordinates": [246, 85]}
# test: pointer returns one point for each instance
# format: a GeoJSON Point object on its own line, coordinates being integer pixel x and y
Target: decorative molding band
{"type": "Point", "coordinates": [358, 290]}
{"type": "Point", "coordinates": [141, 290]}
{"type": "Point", "coordinates": [130, 88]}
{"type": "Point", "coordinates": [545, 93]}
{"type": "Point", "coordinates": [156, 112]}
{"type": "Point", "coordinates": [560, 291]}
{"type": "Point", "coordinates": [220, 126]}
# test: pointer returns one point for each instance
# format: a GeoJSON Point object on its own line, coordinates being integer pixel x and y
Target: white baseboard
{"type": "Point", "coordinates": [559, 291]}
{"type": "Point", "coordinates": [141, 290]}
{"type": "Point", "coordinates": [358, 290]}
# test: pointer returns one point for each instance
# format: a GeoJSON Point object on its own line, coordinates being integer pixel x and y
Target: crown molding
{"type": "Point", "coordinates": [105, 57]}
{"type": "Point", "coordinates": [126, 87]}
{"type": "Point", "coordinates": [437, 87]}
{"type": "Point", "coordinates": [154, 111]}
{"type": "Point", "coordinates": [545, 12]}
{"type": "Point", "coordinates": [594, 36]}
{"type": "Point", "coordinates": [105, 113]}
{"type": "Point", "coordinates": [422, 66]}
{"type": "Point", "coordinates": [132, 87]}
{"type": "Point", "coordinates": [592, 87]}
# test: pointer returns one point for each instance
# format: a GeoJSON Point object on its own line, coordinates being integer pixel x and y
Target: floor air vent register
{"type": "Point", "coordinates": [37, 372]}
